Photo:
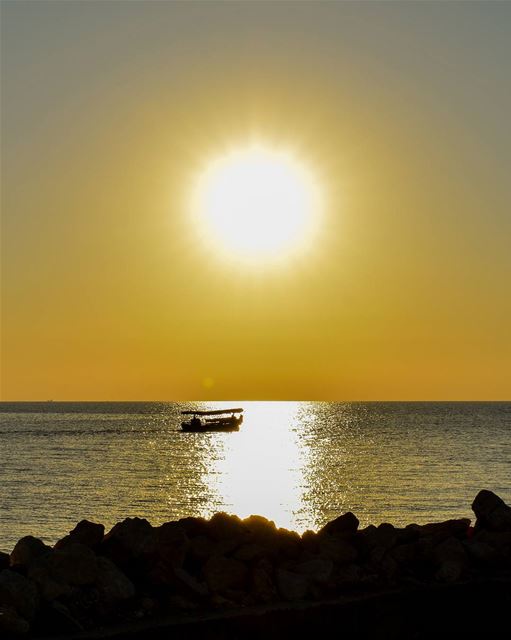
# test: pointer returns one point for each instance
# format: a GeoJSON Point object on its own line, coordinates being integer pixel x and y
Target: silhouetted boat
{"type": "Point", "coordinates": [219, 422]}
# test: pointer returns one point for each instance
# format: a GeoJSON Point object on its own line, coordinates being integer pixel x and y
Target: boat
{"type": "Point", "coordinates": [217, 420]}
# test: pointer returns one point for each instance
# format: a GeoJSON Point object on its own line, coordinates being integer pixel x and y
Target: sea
{"type": "Point", "coordinates": [300, 464]}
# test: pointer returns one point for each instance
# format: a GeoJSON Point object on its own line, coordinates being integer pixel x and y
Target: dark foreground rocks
{"type": "Point", "coordinates": [228, 577]}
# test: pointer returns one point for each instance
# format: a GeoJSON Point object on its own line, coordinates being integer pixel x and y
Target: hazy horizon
{"type": "Point", "coordinates": [111, 289]}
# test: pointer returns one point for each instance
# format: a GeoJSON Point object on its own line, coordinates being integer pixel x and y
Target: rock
{"type": "Point", "coordinates": [249, 552]}
{"type": "Point", "coordinates": [262, 586]}
{"type": "Point", "coordinates": [18, 593]}
{"type": "Point", "coordinates": [223, 573]}
{"type": "Point", "coordinates": [5, 561]}
{"type": "Point", "coordinates": [482, 553]}
{"type": "Point", "coordinates": [288, 544]}
{"type": "Point", "coordinates": [74, 565]}
{"type": "Point", "coordinates": [347, 576]}
{"type": "Point", "coordinates": [343, 525]}
{"type": "Point", "coordinates": [310, 541]}
{"type": "Point", "coordinates": [11, 623]}
{"type": "Point", "coordinates": [499, 540]}
{"type": "Point", "coordinates": [260, 528]}
{"type": "Point", "coordinates": [451, 559]}
{"type": "Point", "coordinates": [187, 585]}
{"type": "Point", "coordinates": [87, 533]}
{"type": "Point", "coordinates": [112, 584]}
{"type": "Point", "coordinates": [337, 550]}
{"type": "Point", "coordinates": [404, 555]}
{"type": "Point", "coordinates": [172, 544]}
{"type": "Point", "coordinates": [491, 511]}
{"type": "Point", "coordinates": [450, 549]}
{"type": "Point", "coordinates": [130, 544]}
{"type": "Point", "coordinates": [318, 570]}
{"type": "Point", "coordinates": [202, 547]}
{"type": "Point", "coordinates": [449, 571]}
{"type": "Point", "coordinates": [292, 586]}
{"type": "Point", "coordinates": [439, 531]}
{"type": "Point", "coordinates": [194, 526]}
{"type": "Point", "coordinates": [27, 550]}
{"type": "Point", "coordinates": [57, 573]}
{"type": "Point", "coordinates": [223, 526]}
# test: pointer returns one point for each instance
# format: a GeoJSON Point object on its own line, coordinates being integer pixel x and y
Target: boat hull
{"type": "Point", "coordinates": [217, 425]}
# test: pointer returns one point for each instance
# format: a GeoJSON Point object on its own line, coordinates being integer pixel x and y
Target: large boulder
{"type": "Point", "coordinates": [87, 533]}
{"type": "Point", "coordinates": [28, 549]}
{"type": "Point", "coordinates": [58, 573]}
{"type": "Point", "coordinates": [347, 524]}
{"type": "Point", "coordinates": [5, 561]}
{"type": "Point", "coordinates": [74, 565]}
{"type": "Point", "coordinates": [172, 544]}
{"type": "Point", "coordinates": [224, 526]}
{"type": "Point", "coordinates": [131, 544]}
{"type": "Point", "coordinates": [491, 511]}
{"type": "Point", "coordinates": [112, 585]}
{"type": "Point", "coordinates": [194, 526]}
{"type": "Point", "coordinates": [18, 593]}
{"type": "Point", "coordinates": [438, 531]}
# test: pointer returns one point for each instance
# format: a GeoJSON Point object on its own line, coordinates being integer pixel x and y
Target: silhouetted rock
{"type": "Point", "coordinates": [260, 528]}
{"type": "Point", "coordinates": [87, 533]}
{"type": "Point", "coordinates": [223, 573]}
{"type": "Point", "coordinates": [27, 549]}
{"type": "Point", "coordinates": [11, 623]}
{"type": "Point", "coordinates": [491, 511]}
{"type": "Point", "coordinates": [439, 531]}
{"type": "Point", "coordinates": [262, 586]}
{"type": "Point", "coordinates": [172, 544]}
{"type": "Point", "coordinates": [317, 570]}
{"type": "Point", "coordinates": [337, 550]}
{"type": "Point", "coordinates": [111, 583]}
{"type": "Point", "coordinates": [249, 552]}
{"type": "Point", "coordinates": [194, 526]}
{"type": "Point", "coordinates": [345, 524]}
{"type": "Point", "coordinates": [482, 553]}
{"type": "Point", "coordinates": [292, 586]}
{"type": "Point", "coordinates": [224, 526]}
{"type": "Point", "coordinates": [188, 585]}
{"type": "Point", "coordinates": [451, 559]}
{"type": "Point", "coordinates": [57, 573]}
{"type": "Point", "coordinates": [138, 570]}
{"type": "Point", "coordinates": [18, 593]}
{"type": "Point", "coordinates": [130, 544]}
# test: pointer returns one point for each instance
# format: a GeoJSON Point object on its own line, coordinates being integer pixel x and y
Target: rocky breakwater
{"type": "Point", "coordinates": [90, 579]}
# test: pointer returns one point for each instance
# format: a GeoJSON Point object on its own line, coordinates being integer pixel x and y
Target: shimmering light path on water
{"type": "Point", "coordinates": [298, 463]}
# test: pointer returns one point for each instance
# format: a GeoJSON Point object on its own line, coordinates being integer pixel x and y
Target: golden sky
{"type": "Point", "coordinates": [401, 111]}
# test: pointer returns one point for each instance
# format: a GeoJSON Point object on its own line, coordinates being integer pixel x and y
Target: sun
{"type": "Point", "coordinates": [256, 204]}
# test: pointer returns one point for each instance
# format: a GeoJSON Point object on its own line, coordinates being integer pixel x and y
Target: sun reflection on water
{"type": "Point", "coordinates": [261, 468]}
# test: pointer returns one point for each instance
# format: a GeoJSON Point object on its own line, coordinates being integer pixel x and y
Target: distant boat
{"type": "Point", "coordinates": [220, 421]}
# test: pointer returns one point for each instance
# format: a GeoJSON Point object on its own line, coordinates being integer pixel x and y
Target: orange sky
{"type": "Point", "coordinates": [110, 109]}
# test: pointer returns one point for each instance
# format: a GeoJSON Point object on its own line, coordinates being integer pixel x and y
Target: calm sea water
{"type": "Point", "coordinates": [298, 463]}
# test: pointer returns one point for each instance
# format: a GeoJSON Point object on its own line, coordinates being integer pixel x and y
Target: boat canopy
{"type": "Point", "coordinates": [217, 412]}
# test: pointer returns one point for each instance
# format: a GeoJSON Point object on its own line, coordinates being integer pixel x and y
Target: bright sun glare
{"type": "Point", "coordinates": [257, 204]}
